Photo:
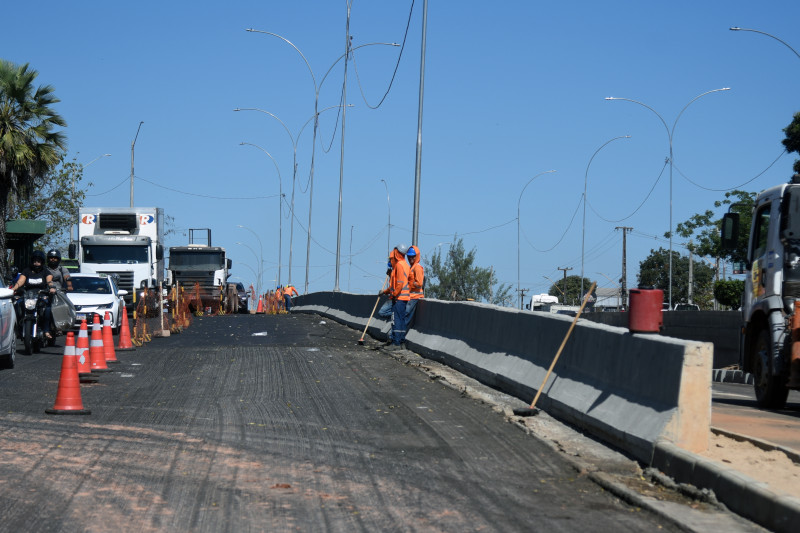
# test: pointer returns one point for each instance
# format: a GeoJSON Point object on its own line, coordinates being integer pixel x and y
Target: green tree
{"type": "Point", "coordinates": [729, 292]}
{"type": "Point", "coordinates": [57, 201]}
{"type": "Point", "coordinates": [30, 147]}
{"type": "Point", "coordinates": [573, 294]}
{"type": "Point", "coordinates": [792, 140]}
{"type": "Point", "coordinates": [654, 272]}
{"type": "Point", "coordinates": [704, 228]}
{"type": "Point", "coordinates": [456, 278]}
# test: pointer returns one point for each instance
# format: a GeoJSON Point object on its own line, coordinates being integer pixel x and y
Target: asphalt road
{"type": "Point", "coordinates": [282, 423]}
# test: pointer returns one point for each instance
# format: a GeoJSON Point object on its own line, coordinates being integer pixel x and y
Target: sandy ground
{"type": "Point", "coordinates": [772, 467]}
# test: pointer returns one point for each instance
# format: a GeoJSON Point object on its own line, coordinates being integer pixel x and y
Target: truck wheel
{"type": "Point", "coordinates": [771, 392]}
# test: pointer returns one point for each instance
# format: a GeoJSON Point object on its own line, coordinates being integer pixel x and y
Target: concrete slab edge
{"type": "Point", "coordinates": [739, 493]}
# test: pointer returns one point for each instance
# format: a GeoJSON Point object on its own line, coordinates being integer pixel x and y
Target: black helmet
{"type": "Point", "coordinates": [37, 255]}
{"type": "Point", "coordinates": [54, 253]}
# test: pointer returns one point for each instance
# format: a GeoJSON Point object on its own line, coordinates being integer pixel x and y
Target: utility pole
{"type": "Point", "coordinates": [522, 297]}
{"type": "Point", "coordinates": [691, 276]}
{"type": "Point", "coordinates": [565, 282]}
{"type": "Point", "coordinates": [624, 280]}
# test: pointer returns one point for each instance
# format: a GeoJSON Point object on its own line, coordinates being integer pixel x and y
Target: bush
{"type": "Point", "coordinates": [729, 292]}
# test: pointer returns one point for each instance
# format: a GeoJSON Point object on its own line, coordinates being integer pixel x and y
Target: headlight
{"type": "Point", "coordinates": [106, 306]}
{"type": "Point", "coordinates": [30, 304]}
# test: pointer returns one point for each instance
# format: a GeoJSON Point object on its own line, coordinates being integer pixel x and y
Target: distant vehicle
{"type": "Point", "coordinates": [243, 297]}
{"type": "Point", "coordinates": [687, 307]}
{"type": "Point", "coordinates": [8, 321]}
{"type": "Point", "coordinates": [71, 264]}
{"type": "Point", "coordinates": [95, 294]}
{"type": "Point", "coordinates": [202, 266]}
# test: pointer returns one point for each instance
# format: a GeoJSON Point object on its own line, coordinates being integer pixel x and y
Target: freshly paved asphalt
{"type": "Point", "coordinates": [283, 423]}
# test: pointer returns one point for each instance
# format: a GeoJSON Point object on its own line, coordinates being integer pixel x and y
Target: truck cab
{"type": "Point", "coordinates": [772, 293]}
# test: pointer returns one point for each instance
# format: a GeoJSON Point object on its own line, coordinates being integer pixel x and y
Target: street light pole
{"type": "Point", "coordinates": [418, 165]}
{"type": "Point", "coordinates": [260, 249]}
{"type": "Point", "coordinates": [670, 134]}
{"type": "Point", "coordinates": [72, 225]}
{"type": "Point", "coordinates": [389, 236]}
{"type": "Point", "coordinates": [317, 88]}
{"type": "Point", "coordinates": [260, 267]}
{"type": "Point", "coordinates": [768, 35]}
{"type": "Point", "coordinates": [132, 145]}
{"type": "Point", "coordinates": [294, 141]}
{"type": "Point", "coordinates": [518, 202]}
{"type": "Point", "coordinates": [280, 206]}
{"type": "Point", "coordinates": [585, 182]}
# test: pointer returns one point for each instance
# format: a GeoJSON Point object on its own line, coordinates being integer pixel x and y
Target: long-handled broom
{"type": "Point", "coordinates": [361, 340]}
{"type": "Point", "coordinates": [530, 411]}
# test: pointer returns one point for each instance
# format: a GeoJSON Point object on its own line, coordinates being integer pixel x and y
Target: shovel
{"type": "Point", "coordinates": [361, 340]}
{"type": "Point", "coordinates": [531, 411]}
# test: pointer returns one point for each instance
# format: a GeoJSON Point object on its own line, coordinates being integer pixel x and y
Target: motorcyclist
{"type": "Point", "coordinates": [38, 277]}
{"type": "Point", "coordinates": [60, 274]}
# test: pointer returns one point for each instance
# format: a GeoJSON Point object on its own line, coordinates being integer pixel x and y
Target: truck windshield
{"type": "Point", "coordinates": [195, 260]}
{"type": "Point", "coordinates": [123, 255]}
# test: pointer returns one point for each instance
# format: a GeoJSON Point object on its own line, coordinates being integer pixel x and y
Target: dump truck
{"type": "Point", "coordinates": [122, 241]}
{"type": "Point", "coordinates": [201, 270]}
{"type": "Point", "coordinates": [769, 346]}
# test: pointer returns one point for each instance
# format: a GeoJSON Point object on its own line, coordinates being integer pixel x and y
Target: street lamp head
{"type": "Point", "coordinates": [735, 28]}
{"type": "Point", "coordinates": [612, 98]}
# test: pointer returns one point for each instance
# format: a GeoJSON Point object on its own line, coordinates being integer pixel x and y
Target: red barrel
{"type": "Point", "coordinates": [645, 314]}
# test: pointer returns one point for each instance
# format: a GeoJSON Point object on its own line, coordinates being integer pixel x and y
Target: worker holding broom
{"type": "Point", "coordinates": [399, 294]}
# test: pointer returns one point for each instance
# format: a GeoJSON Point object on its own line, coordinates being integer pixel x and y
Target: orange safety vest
{"type": "Point", "coordinates": [416, 279]}
{"type": "Point", "coordinates": [398, 283]}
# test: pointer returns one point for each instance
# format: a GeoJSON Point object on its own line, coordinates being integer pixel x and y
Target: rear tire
{"type": "Point", "coordinates": [771, 392]}
{"type": "Point", "coordinates": [7, 360]}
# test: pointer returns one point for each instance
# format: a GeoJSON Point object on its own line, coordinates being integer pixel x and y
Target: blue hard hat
{"type": "Point", "coordinates": [411, 251]}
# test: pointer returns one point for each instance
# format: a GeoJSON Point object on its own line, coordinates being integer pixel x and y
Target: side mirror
{"type": "Point", "coordinates": [229, 263]}
{"type": "Point", "coordinates": [159, 252]}
{"type": "Point", "coordinates": [73, 250]}
{"type": "Point", "coordinates": [729, 235]}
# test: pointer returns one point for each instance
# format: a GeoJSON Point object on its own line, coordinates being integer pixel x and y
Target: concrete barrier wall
{"type": "Point", "coordinates": [630, 390]}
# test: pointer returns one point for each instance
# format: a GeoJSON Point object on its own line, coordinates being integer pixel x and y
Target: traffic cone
{"type": "Point", "coordinates": [68, 397]}
{"type": "Point", "coordinates": [260, 308]}
{"type": "Point", "coordinates": [82, 355]}
{"type": "Point", "coordinates": [108, 340]}
{"type": "Point", "coordinates": [96, 353]}
{"type": "Point", "coordinates": [124, 343]}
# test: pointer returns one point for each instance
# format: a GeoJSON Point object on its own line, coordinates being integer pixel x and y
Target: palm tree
{"type": "Point", "coordinates": [29, 146]}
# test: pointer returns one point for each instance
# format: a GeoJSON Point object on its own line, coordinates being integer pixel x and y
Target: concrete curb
{"type": "Point", "coordinates": [741, 494]}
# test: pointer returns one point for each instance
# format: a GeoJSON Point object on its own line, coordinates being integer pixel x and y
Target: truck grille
{"type": "Point", "coordinates": [125, 280]}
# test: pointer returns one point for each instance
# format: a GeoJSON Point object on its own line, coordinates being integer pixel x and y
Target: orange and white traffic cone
{"type": "Point", "coordinates": [260, 308]}
{"type": "Point", "coordinates": [82, 355]}
{"type": "Point", "coordinates": [68, 397]}
{"type": "Point", "coordinates": [108, 340]}
{"type": "Point", "coordinates": [124, 343]}
{"type": "Point", "coordinates": [96, 353]}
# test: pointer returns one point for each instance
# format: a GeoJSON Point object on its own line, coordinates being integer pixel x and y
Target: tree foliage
{"type": "Point", "coordinates": [456, 277]}
{"type": "Point", "coordinates": [572, 296]}
{"type": "Point", "coordinates": [57, 200]}
{"type": "Point", "coordinates": [704, 228]}
{"type": "Point", "coordinates": [792, 140]}
{"type": "Point", "coordinates": [30, 146]}
{"type": "Point", "coordinates": [654, 272]}
{"type": "Point", "coordinates": [729, 292]}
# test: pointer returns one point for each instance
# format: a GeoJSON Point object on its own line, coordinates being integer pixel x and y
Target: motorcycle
{"type": "Point", "coordinates": [31, 316]}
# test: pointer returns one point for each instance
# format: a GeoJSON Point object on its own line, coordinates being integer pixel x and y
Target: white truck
{"type": "Point", "coordinates": [126, 241]}
{"type": "Point", "coordinates": [769, 346]}
{"type": "Point", "coordinates": [200, 267]}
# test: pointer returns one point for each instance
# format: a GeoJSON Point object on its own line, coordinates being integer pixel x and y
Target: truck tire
{"type": "Point", "coordinates": [771, 391]}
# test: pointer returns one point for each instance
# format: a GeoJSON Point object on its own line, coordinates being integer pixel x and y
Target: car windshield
{"type": "Point", "coordinates": [90, 285]}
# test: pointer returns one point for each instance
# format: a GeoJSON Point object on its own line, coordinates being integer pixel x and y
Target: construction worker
{"type": "Point", "coordinates": [416, 282]}
{"type": "Point", "coordinates": [399, 294]}
{"type": "Point", "coordinates": [288, 292]}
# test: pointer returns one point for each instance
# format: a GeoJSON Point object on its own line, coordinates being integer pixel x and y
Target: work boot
{"type": "Point", "coordinates": [387, 342]}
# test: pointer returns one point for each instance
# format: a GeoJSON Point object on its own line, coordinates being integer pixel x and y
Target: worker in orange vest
{"type": "Point", "coordinates": [399, 294]}
{"type": "Point", "coordinates": [288, 292]}
{"type": "Point", "coordinates": [416, 283]}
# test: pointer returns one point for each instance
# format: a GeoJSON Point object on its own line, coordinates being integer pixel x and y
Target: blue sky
{"type": "Point", "coordinates": [512, 89]}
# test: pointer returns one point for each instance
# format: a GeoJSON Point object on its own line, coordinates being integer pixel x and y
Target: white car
{"type": "Point", "coordinates": [95, 294]}
{"type": "Point", "coordinates": [8, 322]}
